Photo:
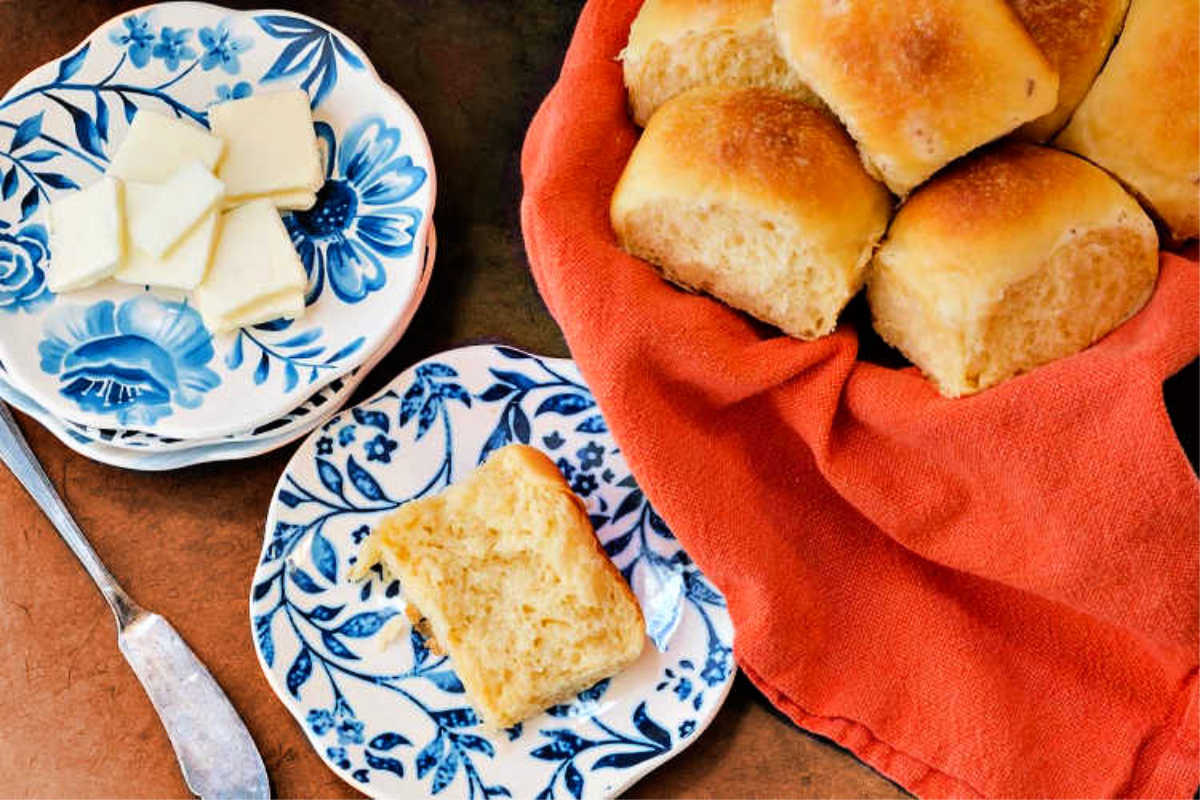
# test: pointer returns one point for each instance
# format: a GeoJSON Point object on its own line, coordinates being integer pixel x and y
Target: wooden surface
{"type": "Point", "coordinates": [74, 721]}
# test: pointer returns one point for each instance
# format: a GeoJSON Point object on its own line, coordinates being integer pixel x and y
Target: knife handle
{"type": "Point", "coordinates": [15, 453]}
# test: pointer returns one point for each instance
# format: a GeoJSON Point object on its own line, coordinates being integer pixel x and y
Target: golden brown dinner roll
{"type": "Point", "coordinates": [1075, 37]}
{"type": "Point", "coordinates": [918, 83]}
{"type": "Point", "coordinates": [1141, 119]}
{"type": "Point", "coordinates": [757, 198]}
{"type": "Point", "coordinates": [1011, 258]}
{"type": "Point", "coordinates": [675, 45]}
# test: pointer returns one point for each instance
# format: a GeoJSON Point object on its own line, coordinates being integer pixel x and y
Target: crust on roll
{"type": "Point", "coordinates": [676, 45]}
{"type": "Point", "coordinates": [1141, 119]}
{"type": "Point", "coordinates": [1008, 260]}
{"type": "Point", "coordinates": [917, 83]}
{"type": "Point", "coordinates": [1075, 37]}
{"type": "Point", "coordinates": [756, 198]}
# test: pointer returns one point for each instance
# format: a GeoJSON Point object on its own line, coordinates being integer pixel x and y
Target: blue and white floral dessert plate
{"type": "Point", "coordinates": [121, 448]}
{"type": "Point", "coordinates": [390, 717]}
{"type": "Point", "coordinates": [116, 356]}
{"type": "Point", "coordinates": [327, 399]}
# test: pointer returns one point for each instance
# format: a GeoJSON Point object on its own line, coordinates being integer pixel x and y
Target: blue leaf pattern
{"type": "Point", "coordinates": [68, 66]}
{"type": "Point", "coordinates": [367, 486]}
{"type": "Point", "coordinates": [368, 623]}
{"type": "Point", "coordinates": [324, 556]}
{"type": "Point", "coordinates": [299, 672]}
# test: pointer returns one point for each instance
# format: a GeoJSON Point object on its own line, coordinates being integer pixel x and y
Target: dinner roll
{"type": "Point", "coordinates": [1075, 37]}
{"type": "Point", "coordinates": [505, 571]}
{"type": "Point", "coordinates": [675, 45]}
{"type": "Point", "coordinates": [754, 197]}
{"type": "Point", "coordinates": [1141, 119]}
{"type": "Point", "coordinates": [918, 83]}
{"type": "Point", "coordinates": [1011, 258]}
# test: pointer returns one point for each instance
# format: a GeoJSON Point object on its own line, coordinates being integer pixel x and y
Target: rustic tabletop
{"type": "Point", "coordinates": [75, 722]}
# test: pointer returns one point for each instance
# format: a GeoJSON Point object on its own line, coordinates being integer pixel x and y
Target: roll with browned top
{"type": "Point", "coordinates": [1141, 119]}
{"type": "Point", "coordinates": [756, 198]}
{"type": "Point", "coordinates": [1075, 37]}
{"type": "Point", "coordinates": [676, 45]}
{"type": "Point", "coordinates": [1010, 259]}
{"type": "Point", "coordinates": [917, 83]}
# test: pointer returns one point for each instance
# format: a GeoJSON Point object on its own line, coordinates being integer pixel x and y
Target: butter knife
{"type": "Point", "coordinates": [215, 751]}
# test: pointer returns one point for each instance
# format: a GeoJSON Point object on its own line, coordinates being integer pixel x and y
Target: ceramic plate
{"type": "Point", "coordinates": [328, 398]}
{"type": "Point", "coordinates": [391, 718]}
{"type": "Point", "coordinates": [120, 356]}
{"type": "Point", "coordinates": [154, 461]}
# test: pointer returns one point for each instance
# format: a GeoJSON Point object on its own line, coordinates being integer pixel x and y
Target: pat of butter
{"type": "Point", "coordinates": [156, 147]}
{"type": "Point", "coordinates": [288, 304]}
{"type": "Point", "coordinates": [170, 210]}
{"type": "Point", "coordinates": [254, 261]}
{"type": "Point", "coordinates": [270, 145]}
{"type": "Point", "coordinates": [87, 239]}
{"type": "Point", "coordinates": [299, 200]}
{"type": "Point", "coordinates": [184, 265]}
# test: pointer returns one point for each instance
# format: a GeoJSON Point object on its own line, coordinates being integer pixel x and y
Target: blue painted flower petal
{"type": "Point", "coordinates": [365, 147]}
{"type": "Point", "coordinates": [392, 182]}
{"type": "Point", "coordinates": [389, 233]}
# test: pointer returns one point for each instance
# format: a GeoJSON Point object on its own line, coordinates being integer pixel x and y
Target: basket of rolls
{"type": "Point", "coordinates": [727, 201]}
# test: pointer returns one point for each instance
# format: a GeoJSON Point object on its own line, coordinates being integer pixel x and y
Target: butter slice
{"type": "Point", "coordinates": [169, 211]}
{"type": "Point", "coordinates": [184, 265]}
{"type": "Point", "coordinates": [300, 200]}
{"type": "Point", "coordinates": [87, 237]}
{"type": "Point", "coordinates": [253, 266]}
{"type": "Point", "coordinates": [156, 147]}
{"type": "Point", "coordinates": [288, 304]}
{"type": "Point", "coordinates": [270, 145]}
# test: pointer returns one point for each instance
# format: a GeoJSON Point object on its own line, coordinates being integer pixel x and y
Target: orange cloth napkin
{"type": "Point", "coordinates": [991, 596]}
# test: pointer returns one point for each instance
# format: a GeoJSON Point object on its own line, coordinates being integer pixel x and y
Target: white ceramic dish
{"type": "Point", "coordinates": [120, 356]}
{"type": "Point", "coordinates": [332, 396]}
{"type": "Point", "coordinates": [389, 717]}
{"type": "Point", "coordinates": [185, 454]}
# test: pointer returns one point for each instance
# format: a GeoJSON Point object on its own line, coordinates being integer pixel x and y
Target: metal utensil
{"type": "Point", "coordinates": [215, 751]}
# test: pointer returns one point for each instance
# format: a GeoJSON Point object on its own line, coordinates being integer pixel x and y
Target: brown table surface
{"type": "Point", "coordinates": [73, 719]}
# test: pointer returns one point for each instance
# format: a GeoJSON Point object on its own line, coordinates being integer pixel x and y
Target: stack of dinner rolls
{"type": "Point", "coordinates": [774, 131]}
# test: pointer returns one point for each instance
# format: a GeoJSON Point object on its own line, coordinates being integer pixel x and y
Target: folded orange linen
{"type": "Point", "coordinates": [990, 596]}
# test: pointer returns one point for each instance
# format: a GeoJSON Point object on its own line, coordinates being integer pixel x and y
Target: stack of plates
{"type": "Point", "coordinates": [131, 376]}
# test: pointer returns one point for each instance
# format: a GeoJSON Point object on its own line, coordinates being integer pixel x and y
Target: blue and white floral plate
{"type": "Point", "coordinates": [390, 717]}
{"type": "Point", "coordinates": [145, 452]}
{"type": "Point", "coordinates": [117, 356]}
{"type": "Point", "coordinates": [327, 399]}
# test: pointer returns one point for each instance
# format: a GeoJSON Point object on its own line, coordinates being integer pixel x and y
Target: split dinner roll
{"type": "Point", "coordinates": [754, 197]}
{"type": "Point", "coordinates": [1141, 119]}
{"type": "Point", "coordinates": [1075, 37]}
{"type": "Point", "coordinates": [917, 83]}
{"type": "Point", "coordinates": [676, 45]}
{"type": "Point", "coordinates": [1010, 259]}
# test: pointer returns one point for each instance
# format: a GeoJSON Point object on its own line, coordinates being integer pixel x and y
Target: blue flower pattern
{"type": "Point", "coordinates": [529, 394]}
{"type": "Point", "coordinates": [135, 361]}
{"type": "Point", "coordinates": [239, 90]}
{"type": "Point", "coordinates": [380, 449]}
{"type": "Point", "coordinates": [23, 257]}
{"type": "Point", "coordinates": [221, 48]}
{"type": "Point", "coordinates": [172, 47]}
{"type": "Point", "coordinates": [358, 218]}
{"type": "Point", "coordinates": [136, 37]}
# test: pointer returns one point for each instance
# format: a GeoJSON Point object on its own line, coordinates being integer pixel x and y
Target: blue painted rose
{"type": "Point", "coordinates": [358, 219]}
{"type": "Point", "coordinates": [23, 257]}
{"type": "Point", "coordinates": [135, 361]}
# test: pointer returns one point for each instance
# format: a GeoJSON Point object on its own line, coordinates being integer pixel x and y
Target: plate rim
{"type": "Point", "coordinates": [420, 237]}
